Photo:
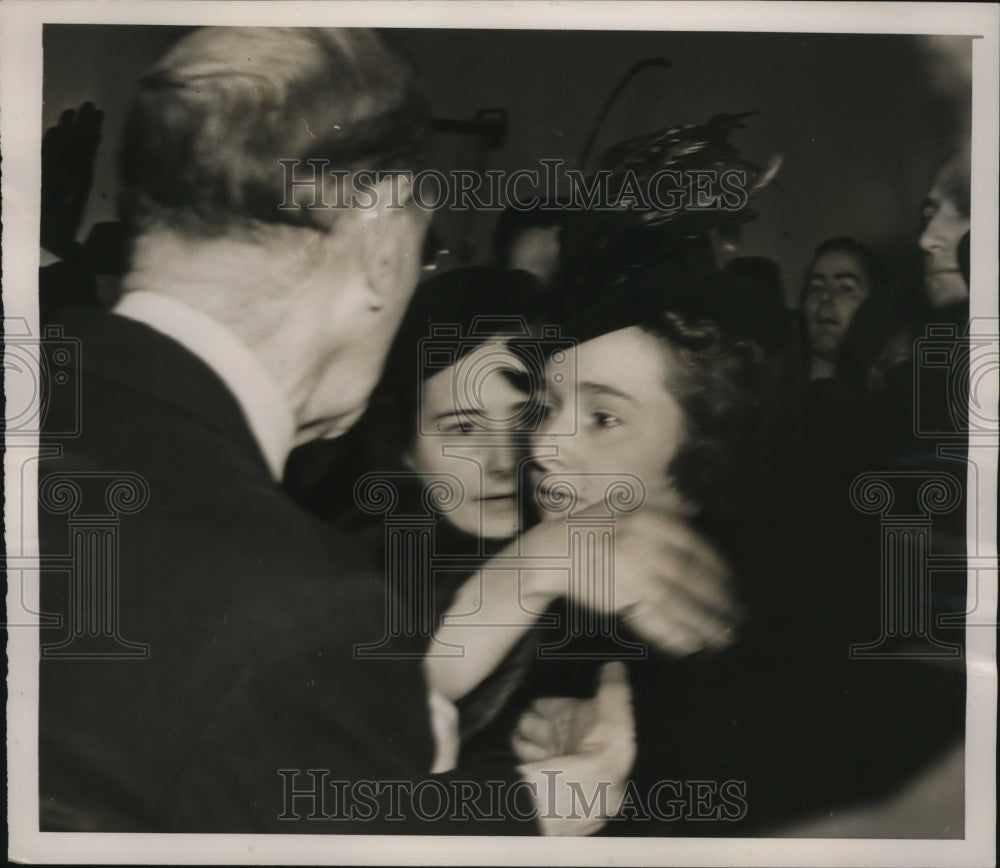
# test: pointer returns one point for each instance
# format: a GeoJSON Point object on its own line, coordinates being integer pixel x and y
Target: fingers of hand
{"type": "Point", "coordinates": [702, 575]}
{"type": "Point", "coordinates": [613, 732]}
{"type": "Point", "coordinates": [555, 707]}
{"type": "Point", "coordinates": [614, 694]}
{"type": "Point", "coordinates": [661, 552]}
{"type": "Point", "coordinates": [528, 751]}
{"type": "Point", "coordinates": [679, 630]}
{"type": "Point", "coordinates": [536, 728]}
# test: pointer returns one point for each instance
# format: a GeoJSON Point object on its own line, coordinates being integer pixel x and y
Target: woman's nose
{"type": "Point", "coordinates": [501, 459]}
{"type": "Point", "coordinates": [547, 453]}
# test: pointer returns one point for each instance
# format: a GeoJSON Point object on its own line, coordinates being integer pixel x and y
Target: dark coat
{"type": "Point", "coordinates": [228, 654]}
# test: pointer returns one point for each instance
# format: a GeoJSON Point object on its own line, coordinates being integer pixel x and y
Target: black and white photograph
{"type": "Point", "coordinates": [432, 423]}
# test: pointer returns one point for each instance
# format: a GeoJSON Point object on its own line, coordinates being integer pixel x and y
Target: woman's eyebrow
{"type": "Point", "coordinates": [457, 413]}
{"type": "Point", "coordinates": [606, 390]}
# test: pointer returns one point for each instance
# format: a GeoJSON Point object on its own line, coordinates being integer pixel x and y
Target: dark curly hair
{"type": "Point", "coordinates": [724, 385]}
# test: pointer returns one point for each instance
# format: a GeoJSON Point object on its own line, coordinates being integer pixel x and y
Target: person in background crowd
{"type": "Point", "coordinates": [843, 274]}
{"type": "Point", "coordinates": [765, 301]}
{"type": "Point", "coordinates": [530, 239]}
{"type": "Point", "coordinates": [843, 279]}
{"type": "Point", "coordinates": [944, 228]}
{"type": "Point", "coordinates": [944, 370]}
{"type": "Point", "coordinates": [908, 398]}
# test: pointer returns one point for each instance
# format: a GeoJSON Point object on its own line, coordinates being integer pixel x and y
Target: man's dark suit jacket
{"type": "Point", "coordinates": [249, 610]}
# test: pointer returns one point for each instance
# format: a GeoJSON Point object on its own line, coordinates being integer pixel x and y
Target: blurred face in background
{"type": "Point", "coordinates": [836, 286]}
{"type": "Point", "coordinates": [627, 421]}
{"type": "Point", "coordinates": [537, 250]}
{"type": "Point", "coordinates": [469, 418]}
{"type": "Point", "coordinates": [944, 221]}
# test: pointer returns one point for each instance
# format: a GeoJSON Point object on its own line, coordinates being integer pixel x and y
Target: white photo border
{"type": "Point", "coordinates": [21, 25]}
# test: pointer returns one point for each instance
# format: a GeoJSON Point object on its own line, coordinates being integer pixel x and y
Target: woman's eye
{"type": "Point", "coordinates": [927, 214]}
{"type": "Point", "coordinates": [605, 420]}
{"type": "Point", "coordinates": [460, 428]}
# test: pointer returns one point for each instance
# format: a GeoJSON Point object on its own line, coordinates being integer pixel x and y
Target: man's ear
{"type": "Point", "coordinates": [390, 236]}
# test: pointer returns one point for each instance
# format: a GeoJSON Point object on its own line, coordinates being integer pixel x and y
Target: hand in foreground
{"type": "Point", "coordinates": [584, 750]}
{"type": "Point", "coordinates": [552, 726]}
{"type": "Point", "coordinates": [668, 584]}
{"type": "Point", "coordinates": [664, 580]}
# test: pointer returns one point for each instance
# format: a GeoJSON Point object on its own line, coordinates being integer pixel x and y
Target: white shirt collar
{"type": "Point", "coordinates": [264, 405]}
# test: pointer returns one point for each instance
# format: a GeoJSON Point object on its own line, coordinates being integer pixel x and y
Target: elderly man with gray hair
{"type": "Point", "coordinates": [198, 671]}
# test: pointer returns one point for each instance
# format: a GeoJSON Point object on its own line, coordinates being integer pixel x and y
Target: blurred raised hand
{"type": "Point", "coordinates": [668, 584]}
{"type": "Point", "coordinates": [69, 150]}
{"type": "Point", "coordinates": [671, 586]}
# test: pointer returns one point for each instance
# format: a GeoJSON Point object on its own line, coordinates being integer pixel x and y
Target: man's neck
{"type": "Point", "coordinates": [221, 276]}
{"type": "Point", "coordinates": [241, 284]}
{"type": "Point", "coordinates": [214, 299]}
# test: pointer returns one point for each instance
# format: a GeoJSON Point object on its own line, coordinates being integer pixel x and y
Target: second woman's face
{"type": "Point", "coordinates": [468, 424]}
{"type": "Point", "coordinates": [627, 422]}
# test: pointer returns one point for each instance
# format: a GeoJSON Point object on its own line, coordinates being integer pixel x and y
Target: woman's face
{"type": "Point", "coordinates": [468, 420]}
{"type": "Point", "coordinates": [627, 422]}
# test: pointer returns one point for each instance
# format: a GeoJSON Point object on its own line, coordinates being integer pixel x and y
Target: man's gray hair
{"type": "Point", "coordinates": [213, 117]}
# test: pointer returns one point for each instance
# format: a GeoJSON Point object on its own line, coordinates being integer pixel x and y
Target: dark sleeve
{"type": "Point", "coordinates": [318, 741]}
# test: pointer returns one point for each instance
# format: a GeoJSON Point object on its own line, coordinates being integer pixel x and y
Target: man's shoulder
{"type": "Point", "coordinates": [205, 517]}
{"type": "Point", "coordinates": [123, 353]}
{"type": "Point", "coordinates": [107, 343]}
{"type": "Point", "coordinates": [124, 395]}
